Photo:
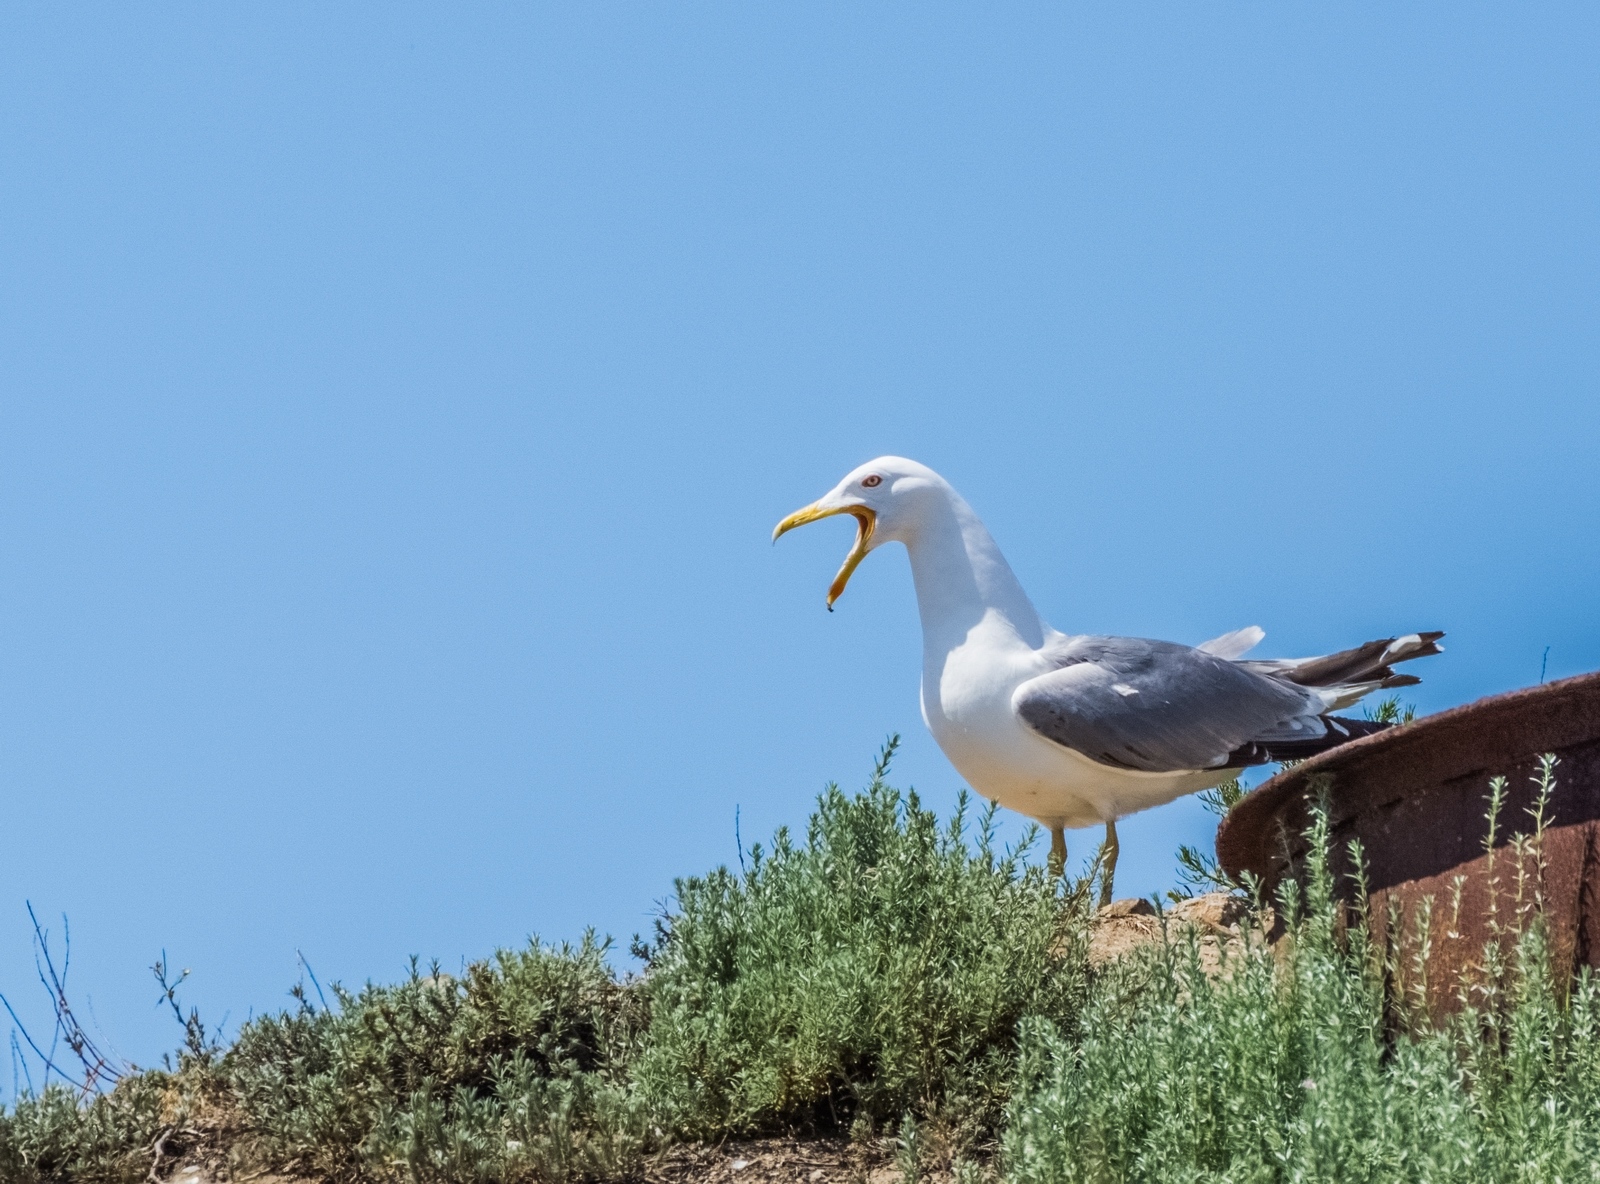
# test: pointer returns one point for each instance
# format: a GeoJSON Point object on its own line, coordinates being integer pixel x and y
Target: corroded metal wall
{"type": "Point", "coordinates": [1416, 799]}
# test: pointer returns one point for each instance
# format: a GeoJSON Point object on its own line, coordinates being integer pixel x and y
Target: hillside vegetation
{"type": "Point", "coordinates": [892, 977]}
{"type": "Point", "coordinates": [1318, 1065]}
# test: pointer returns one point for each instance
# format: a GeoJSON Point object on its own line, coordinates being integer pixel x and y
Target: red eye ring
{"type": "Point", "coordinates": [872, 481]}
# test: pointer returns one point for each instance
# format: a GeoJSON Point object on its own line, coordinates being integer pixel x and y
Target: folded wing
{"type": "Point", "coordinates": [1161, 707]}
{"type": "Point", "coordinates": [1158, 706]}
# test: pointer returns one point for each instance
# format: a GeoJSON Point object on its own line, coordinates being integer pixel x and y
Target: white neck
{"type": "Point", "coordinates": [962, 579]}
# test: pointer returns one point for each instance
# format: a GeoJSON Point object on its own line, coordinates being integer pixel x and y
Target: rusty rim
{"type": "Point", "coordinates": [1479, 736]}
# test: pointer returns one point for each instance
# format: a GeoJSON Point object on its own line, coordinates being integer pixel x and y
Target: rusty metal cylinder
{"type": "Point", "coordinates": [1416, 797]}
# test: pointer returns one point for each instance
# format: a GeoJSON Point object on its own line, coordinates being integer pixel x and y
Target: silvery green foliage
{"type": "Point", "coordinates": [878, 967]}
{"type": "Point", "coordinates": [1294, 1070]}
{"type": "Point", "coordinates": [58, 1135]}
{"type": "Point", "coordinates": [516, 1071]}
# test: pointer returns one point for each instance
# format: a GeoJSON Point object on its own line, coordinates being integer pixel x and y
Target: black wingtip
{"type": "Point", "coordinates": [1373, 661]}
{"type": "Point", "coordinates": [1341, 730]}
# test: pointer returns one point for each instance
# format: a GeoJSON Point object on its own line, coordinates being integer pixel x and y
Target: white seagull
{"type": "Point", "coordinates": [1077, 730]}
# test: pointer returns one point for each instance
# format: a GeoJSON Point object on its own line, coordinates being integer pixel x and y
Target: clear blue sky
{"type": "Point", "coordinates": [397, 402]}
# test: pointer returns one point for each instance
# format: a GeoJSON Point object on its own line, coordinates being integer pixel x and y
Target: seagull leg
{"type": "Point", "coordinates": [1108, 862]}
{"type": "Point", "coordinates": [1058, 852]}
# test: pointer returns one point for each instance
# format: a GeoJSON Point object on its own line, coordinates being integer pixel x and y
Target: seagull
{"type": "Point", "coordinates": [1071, 730]}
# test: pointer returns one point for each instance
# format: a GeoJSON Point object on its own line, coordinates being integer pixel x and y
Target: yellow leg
{"type": "Point", "coordinates": [1058, 852]}
{"type": "Point", "coordinates": [1108, 862]}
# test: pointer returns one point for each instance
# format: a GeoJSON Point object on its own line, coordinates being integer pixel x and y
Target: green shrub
{"type": "Point", "coordinates": [516, 1071]}
{"type": "Point", "coordinates": [1286, 1070]}
{"type": "Point", "coordinates": [57, 1136]}
{"type": "Point", "coordinates": [880, 967]}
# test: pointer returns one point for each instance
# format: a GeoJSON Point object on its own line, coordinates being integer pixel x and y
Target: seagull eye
{"type": "Point", "coordinates": [872, 481]}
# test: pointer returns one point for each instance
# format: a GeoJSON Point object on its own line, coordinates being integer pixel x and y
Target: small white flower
{"type": "Point", "coordinates": [1308, 1084]}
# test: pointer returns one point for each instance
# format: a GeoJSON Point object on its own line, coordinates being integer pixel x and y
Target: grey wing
{"type": "Point", "coordinates": [1157, 706]}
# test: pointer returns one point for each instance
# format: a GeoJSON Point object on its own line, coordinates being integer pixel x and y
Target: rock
{"type": "Point", "coordinates": [1215, 910]}
{"type": "Point", "coordinates": [1136, 906]}
{"type": "Point", "coordinates": [1126, 925]}
{"type": "Point", "coordinates": [1115, 937]}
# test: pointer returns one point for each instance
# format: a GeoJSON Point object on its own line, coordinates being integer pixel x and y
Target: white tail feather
{"type": "Point", "coordinates": [1232, 645]}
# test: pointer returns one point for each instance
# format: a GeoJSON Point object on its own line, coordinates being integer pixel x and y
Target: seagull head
{"type": "Point", "coordinates": [884, 496]}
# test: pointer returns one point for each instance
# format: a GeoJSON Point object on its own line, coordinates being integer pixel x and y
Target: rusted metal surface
{"type": "Point", "coordinates": [1416, 797]}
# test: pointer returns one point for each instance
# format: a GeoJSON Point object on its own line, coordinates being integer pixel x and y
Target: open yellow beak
{"type": "Point", "coordinates": [866, 520]}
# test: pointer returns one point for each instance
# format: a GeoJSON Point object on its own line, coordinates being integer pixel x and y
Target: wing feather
{"type": "Point", "coordinates": [1156, 706]}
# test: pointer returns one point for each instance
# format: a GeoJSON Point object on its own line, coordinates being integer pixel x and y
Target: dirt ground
{"type": "Point", "coordinates": [779, 1161]}
{"type": "Point", "coordinates": [758, 1161]}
